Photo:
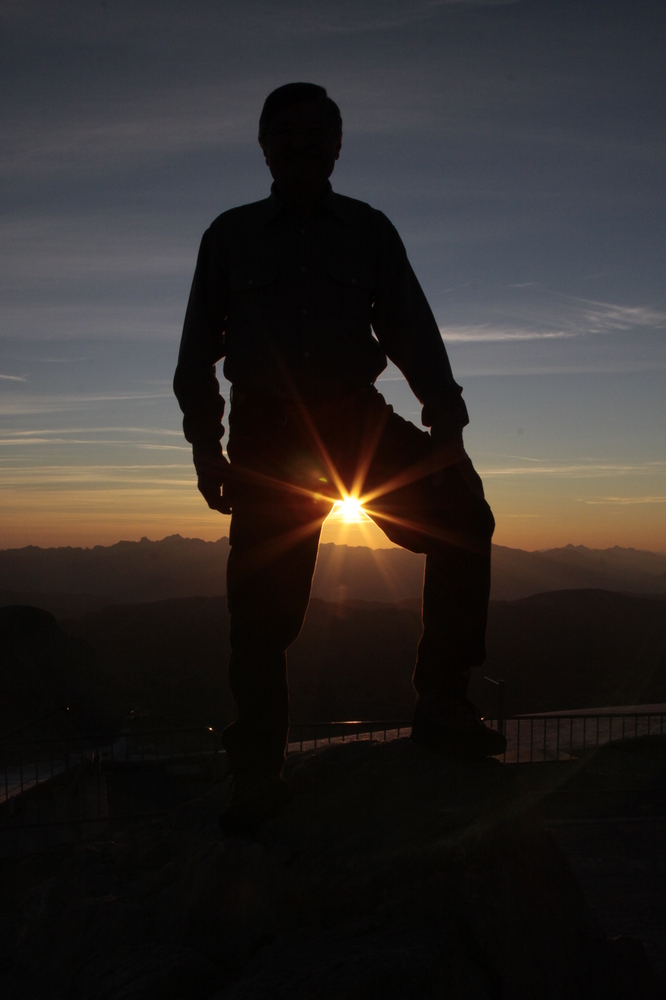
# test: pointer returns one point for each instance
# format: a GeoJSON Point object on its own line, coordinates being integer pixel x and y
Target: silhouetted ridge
{"type": "Point", "coordinates": [557, 651]}
{"type": "Point", "coordinates": [130, 572]}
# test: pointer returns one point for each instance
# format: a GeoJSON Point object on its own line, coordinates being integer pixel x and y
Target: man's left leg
{"type": "Point", "coordinates": [455, 609]}
{"type": "Point", "coordinates": [443, 513]}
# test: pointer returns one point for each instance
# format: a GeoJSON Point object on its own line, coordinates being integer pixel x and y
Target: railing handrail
{"type": "Point", "coordinates": [109, 736]}
{"type": "Point", "coordinates": [33, 722]}
{"type": "Point", "coordinates": [79, 775]}
{"type": "Point", "coordinates": [586, 715]}
{"type": "Point", "coordinates": [365, 724]}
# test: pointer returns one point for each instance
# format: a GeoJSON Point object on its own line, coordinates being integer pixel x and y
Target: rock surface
{"type": "Point", "coordinates": [395, 873]}
{"type": "Point", "coordinates": [42, 670]}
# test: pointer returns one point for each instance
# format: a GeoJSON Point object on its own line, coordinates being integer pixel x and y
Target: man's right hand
{"type": "Point", "coordinates": [213, 476]}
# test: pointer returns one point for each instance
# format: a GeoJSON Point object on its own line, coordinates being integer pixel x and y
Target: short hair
{"type": "Point", "coordinates": [297, 93]}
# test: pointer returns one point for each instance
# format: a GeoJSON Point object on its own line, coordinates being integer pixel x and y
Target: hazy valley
{"type": "Point", "coordinates": [559, 650]}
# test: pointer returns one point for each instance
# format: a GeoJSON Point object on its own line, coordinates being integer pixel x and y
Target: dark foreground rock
{"type": "Point", "coordinates": [42, 670]}
{"type": "Point", "coordinates": [396, 873]}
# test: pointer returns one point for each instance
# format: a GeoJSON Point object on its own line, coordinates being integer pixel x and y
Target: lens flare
{"type": "Point", "coordinates": [350, 510]}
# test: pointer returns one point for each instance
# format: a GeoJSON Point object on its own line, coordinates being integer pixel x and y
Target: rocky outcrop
{"type": "Point", "coordinates": [395, 873]}
{"type": "Point", "coordinates": [43, 670]}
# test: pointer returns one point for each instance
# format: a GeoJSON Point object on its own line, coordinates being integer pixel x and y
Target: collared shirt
{"type": "Point", "coordinates": [307, 309]}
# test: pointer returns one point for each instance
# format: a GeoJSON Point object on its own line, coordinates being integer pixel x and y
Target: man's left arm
{"type": "Point", "coordinates": [407, 331]}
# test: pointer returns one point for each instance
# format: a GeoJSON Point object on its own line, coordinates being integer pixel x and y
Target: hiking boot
{"type": "Point", "coordinates": [452, 723]}
{"type": "Point", "coordinates": [256, 796]}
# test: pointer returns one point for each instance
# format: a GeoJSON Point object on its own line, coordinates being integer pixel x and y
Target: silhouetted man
{"type": "Point", "coordinates": [305, 294]}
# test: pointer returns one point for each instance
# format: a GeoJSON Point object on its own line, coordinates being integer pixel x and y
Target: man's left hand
{"type": "Point", "coordinates": [213, 476]}
{"type": "Point", "coordinates": [450, 455]}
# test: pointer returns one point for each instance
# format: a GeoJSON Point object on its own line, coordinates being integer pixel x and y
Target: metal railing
{"type": "Point", "coordinates": [533, 739]}
{"type": "Point", "coordinates": [103, 778]}
{"type": "Point", "coordinates": [94, 782]}
{"type": "Point", "coordinates": [311, 735]}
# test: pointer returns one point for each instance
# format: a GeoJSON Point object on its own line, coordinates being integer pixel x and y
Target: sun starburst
{"type": "Point", "coordinates": [350, 510]}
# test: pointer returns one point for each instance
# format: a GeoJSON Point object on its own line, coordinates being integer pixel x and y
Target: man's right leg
{"type": "Point", "coordinates": [269, 575]}
{"type": "Point", "coordinates": [275, 528]}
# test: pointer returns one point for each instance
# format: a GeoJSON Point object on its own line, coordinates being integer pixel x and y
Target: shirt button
{"type": "Point", "coordinates": [306, 354]}
{"type": "Point", "coordinates": [302, 270]}
{"type": "Point", "coordinates": [304, 311]}
{"type": "Point", "coordinates": [302, 232]}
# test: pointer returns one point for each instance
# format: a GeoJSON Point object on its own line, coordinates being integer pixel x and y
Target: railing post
{"type": "Point", "coordinates": [501, 714]}
{"type": "Point", "coordinates": [501, 719]}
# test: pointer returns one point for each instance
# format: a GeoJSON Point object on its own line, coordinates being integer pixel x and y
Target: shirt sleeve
{"type": "Point", "coordinates": [407, 331]}
{"type": "Point", "coordinates": [201, 347]}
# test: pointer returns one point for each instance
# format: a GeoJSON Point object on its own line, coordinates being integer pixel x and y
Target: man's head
{"type": "Point", "coordinates": [300, 132]}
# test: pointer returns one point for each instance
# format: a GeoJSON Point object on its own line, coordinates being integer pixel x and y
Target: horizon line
{"type": "Point", "coordinates": [345, 545]}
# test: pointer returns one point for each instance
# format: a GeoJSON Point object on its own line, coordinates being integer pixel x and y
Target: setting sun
{"type": "Point", "coordinates": [350, 510]}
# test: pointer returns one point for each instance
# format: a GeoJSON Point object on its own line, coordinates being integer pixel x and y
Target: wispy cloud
{"type": "Point", "coordinates": [530, 369]}
{"type": "Point", "coordinates": [147, 119]}
{"type": "Point", "coordinates": [132, 134]}
{"type": "Point", "coordinates": [150, 26]}
{"type": "Point", "coordinates": [521, 516]}
{"type": "Point", "coordinates": [125, 437]}
{"type": "Point", "coordinates": [98, 477]}
{"type": "Point", "coordinates": [47, 247]}
{"type": "Point", "coordinates": [608, 317]}
{"type": "Point", "coordinates": [166, 447]}
{"type": "Point", "coordinates": [13, 378]}
{"type": "Point", "coordinates": [488, 334]}
{"type": "Point", "coordinates": [63, 404]}
{"type": "Point", "coordinates": [582, 470]}
{"type": "Point", "coordinates": [47, 432]}
{"type": "Point", "coordinates": [98, 442]}
{"type": "Point", "coordinates": [622, 501]}
{"type": "Point", "coordinates": [549, 316]}
{"type": "Point", "coordinates": [91, 315]}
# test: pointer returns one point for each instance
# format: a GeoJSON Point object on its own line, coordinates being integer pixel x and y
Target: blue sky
{"type": "Point", "coordinates": [519, 148]}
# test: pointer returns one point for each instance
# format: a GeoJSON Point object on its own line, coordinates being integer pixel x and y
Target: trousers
{"type": "Point", "coordinates": [289, 466]}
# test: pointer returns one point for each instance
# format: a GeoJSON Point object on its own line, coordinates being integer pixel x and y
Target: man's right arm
{"type": "Point", "coordinates": [195, 383]}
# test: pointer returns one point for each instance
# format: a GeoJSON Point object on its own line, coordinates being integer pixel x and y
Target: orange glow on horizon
{"type": "Point", "coordinates": [87, 505]}
{"type": "Point", "coordinates": [102, 520]}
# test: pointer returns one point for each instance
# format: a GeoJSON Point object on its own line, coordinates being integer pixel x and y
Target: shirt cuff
{"type": "Point", "coordinates": [449, 416]}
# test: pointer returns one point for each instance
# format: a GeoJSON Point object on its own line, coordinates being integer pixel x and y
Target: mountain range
{"type": "Point", "coordinates": [74, 580]}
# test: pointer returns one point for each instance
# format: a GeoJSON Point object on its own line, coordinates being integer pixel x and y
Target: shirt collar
{"type": "Point", "coordinates": [275, 205]}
